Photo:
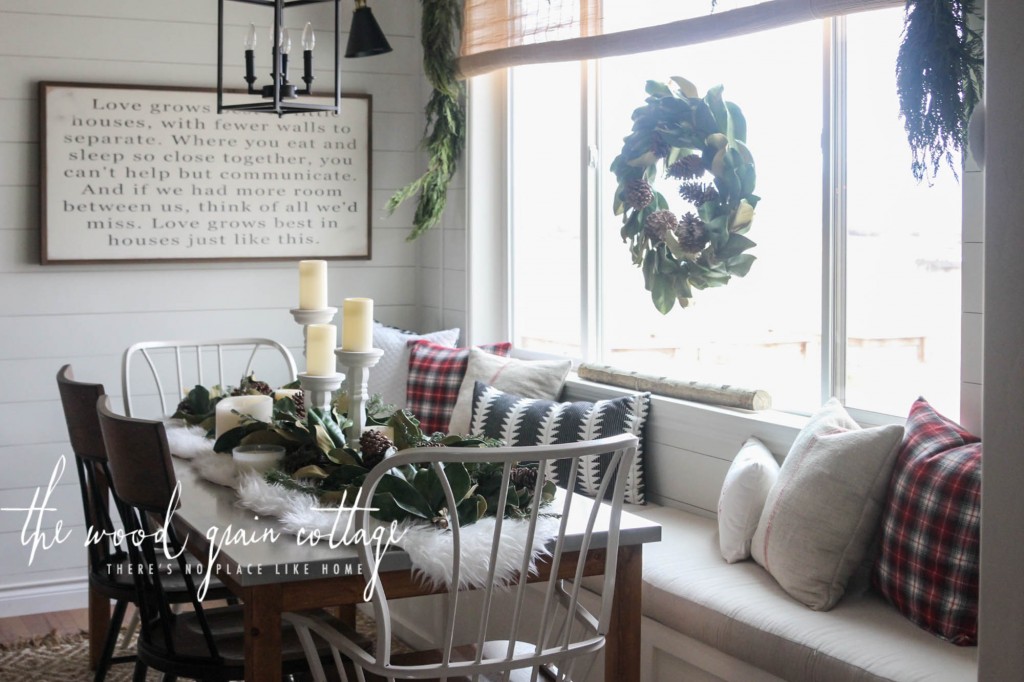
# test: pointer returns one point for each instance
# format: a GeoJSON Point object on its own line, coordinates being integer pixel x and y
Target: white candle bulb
{"type": "Point", "coordinates": [286, 42]}
{"type": "Point", "coordinates": [250, 39]}
{"type": "Point", "coordinates": [357, 324]}
{"type": "Point", "coordinates": [321, 340]}
{"type": "Point", "coordinates": [308, 37]}
{"type": "Point", "coordinates": [312, 284]}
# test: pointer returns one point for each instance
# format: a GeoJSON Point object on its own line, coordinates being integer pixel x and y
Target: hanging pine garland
{"type": "Point", "coordinates": [939, 75]}
{"type": "Point", "coordinates": [445, 135]}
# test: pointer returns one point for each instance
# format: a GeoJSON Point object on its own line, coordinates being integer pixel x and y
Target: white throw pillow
{"type": "Point", "coordinates": [540, 379]}
{"type": "Point", "coordinates": [747, 483]}
{"type": "Point", "coordinates": [390, 375]}
{"type": "Point", "coordinates": [823, 512]}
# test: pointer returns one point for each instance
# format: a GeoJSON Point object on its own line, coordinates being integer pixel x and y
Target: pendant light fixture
{"type": "Point", "coordinates": [280, 95]}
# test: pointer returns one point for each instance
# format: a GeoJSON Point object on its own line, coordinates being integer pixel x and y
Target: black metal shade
{"type": "Point", "coordinates": [365, 39]}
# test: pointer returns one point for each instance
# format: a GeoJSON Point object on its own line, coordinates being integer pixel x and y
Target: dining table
{"type": "Point", "coordinates": [271, 577]}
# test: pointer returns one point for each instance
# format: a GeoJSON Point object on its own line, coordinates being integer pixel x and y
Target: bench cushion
{"type": "Point", "coordinates": [740, 610]}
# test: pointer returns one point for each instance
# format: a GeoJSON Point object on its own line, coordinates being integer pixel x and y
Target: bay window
{"type": "Point", "coordinates": [856, 287]}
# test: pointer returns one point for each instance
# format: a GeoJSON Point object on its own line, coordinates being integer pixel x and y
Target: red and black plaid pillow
{"type": "Point", "coordinates": [928, 567]}
{"type": "Point", "coordinates": [435, 376]}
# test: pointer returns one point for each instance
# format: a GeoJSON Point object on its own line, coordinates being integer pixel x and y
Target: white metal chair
{"type": "Point", "coordinates": [175, 367]}
{"type": "Point", "coordinates": [557, 640]}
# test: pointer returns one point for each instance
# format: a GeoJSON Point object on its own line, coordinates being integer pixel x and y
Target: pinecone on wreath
{"type": "Point", "coordinates": [686, 168]}
{"type": "Point", "coordinates": [374, 447]}
{"type": "Point", "coordinates": [658, 224]}
{"type": "Point", "coordinates": [638, 194]}
{"type": "Point", "coordinates": [692, 234]}
{"type": "Point", "coordinates": [697, 193]}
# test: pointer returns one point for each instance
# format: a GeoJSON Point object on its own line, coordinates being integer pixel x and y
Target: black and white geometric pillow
{"type": "Point", "coordinates": [526, 421]}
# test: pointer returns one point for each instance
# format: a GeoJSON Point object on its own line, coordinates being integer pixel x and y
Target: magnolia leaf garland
{"type": "Point", "coordinates": [683, 136]}
{"type": "Point", "coordinates": [939, 76]}
{"type": "Point", "coordinates": [445, 135]}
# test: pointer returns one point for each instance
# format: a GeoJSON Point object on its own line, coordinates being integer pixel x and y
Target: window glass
{"type": "Point", "coordinates": [902, 257]}
{"type": "Point", "coordinates": [903, 243]}
{"type": "Point", "coordinates": [763, 330]}
{"type": "Point", "coordinates": [545, 213]}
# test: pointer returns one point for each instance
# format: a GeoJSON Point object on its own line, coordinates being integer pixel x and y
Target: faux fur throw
{"type": "Point", "coordinates": [430, 549]}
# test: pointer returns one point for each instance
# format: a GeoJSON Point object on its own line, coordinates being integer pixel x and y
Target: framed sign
{"type": "Point", "coordinates": [141, 174]}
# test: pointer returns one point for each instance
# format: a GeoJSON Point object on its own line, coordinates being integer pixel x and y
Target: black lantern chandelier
{"type": "Point", "coordinates": [281, 96]}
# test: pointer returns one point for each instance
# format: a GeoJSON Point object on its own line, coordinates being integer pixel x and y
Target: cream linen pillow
{"type": "Point", "coordinates": [540, 379]}
{"type": "Point", "coordinates": [823, 511]}
{"type": "Point", "coordinates": [749, 480]}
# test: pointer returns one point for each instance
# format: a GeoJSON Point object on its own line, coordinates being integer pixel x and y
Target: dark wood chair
{"type": "Point", "coordinates": [107, 578]}
{"type": "Point", "coordinates": [204, 643]}
{"type": "Point", "coordinates": [110, 566]}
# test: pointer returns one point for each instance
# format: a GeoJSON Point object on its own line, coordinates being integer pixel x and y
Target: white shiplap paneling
{"type": "Point", "coordinates": [87, 315]}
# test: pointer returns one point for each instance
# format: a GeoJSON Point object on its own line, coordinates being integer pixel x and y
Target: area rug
{"type": "Point", "coordinates": [65, 658]}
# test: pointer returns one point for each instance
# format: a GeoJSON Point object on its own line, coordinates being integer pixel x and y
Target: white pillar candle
{"type": "Point", "coordinates": [259, 407]}
{"type": "Point", "coordinates": [283, 393]}
{"type": "Point", "coordinates": [312, 284]}
{"type": "Point", "coordinates": [357, 324]}
{"type": "Point", "coordinates": [321, 340]}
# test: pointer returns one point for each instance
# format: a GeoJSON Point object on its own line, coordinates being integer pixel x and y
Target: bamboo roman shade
{"type": "Point", "coordinates": [503, 33]}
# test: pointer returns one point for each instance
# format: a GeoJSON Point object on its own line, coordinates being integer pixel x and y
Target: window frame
{"type": "Point", "coordinates": [833, 323]}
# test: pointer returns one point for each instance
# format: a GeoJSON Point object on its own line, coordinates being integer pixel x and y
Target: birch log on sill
{"type": "Point", "coordinates": [712, 394]}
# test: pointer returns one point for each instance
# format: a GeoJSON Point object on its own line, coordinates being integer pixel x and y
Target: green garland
{"type": "Point", "coordinates": [445, 135]}
{"type": "Point", "coordinates": [688, 137]}
{"type": "Point", "coordinates": [939, 80]}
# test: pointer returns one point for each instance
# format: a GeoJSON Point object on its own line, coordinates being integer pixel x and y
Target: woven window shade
{"type": "Point", "coordinates": [503, 33]}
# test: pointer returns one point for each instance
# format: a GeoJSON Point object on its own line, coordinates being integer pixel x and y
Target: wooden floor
{"type": "Point", "coordinates": [20, 628]}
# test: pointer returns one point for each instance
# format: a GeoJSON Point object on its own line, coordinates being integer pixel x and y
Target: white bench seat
{"type": "Point", "coordinates": [739, 610]}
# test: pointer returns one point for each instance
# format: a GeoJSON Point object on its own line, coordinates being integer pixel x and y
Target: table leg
{"type": "Point", "coordinates": [622, 647]}
{"type": "Point", "coordinates": [263, 634]}
{"type": "Point", "coordinates": [99, 622]}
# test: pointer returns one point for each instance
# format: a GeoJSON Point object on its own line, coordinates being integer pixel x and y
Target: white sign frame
{"type": "Point", "coordinates": [140, 174]}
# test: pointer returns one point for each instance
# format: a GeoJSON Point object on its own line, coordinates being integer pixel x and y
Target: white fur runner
{"type": "Point", "coordinates": [430, 549]}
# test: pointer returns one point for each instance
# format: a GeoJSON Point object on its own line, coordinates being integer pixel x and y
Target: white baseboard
{"type": "Point", "coordinates": [58, 595]}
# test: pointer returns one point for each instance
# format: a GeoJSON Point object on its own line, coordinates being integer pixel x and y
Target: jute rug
{"type": "Point", "coordinates": [66, 659]}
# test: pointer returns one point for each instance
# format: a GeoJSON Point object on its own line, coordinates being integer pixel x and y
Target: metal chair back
{"type": "Point", "coordinates": [553, 637]}
{"type": "Point", "coordinates": [175, 367]}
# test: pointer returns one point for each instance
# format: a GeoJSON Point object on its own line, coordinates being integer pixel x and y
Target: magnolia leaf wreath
{"type": "Point", "coordinates": [685, 137]}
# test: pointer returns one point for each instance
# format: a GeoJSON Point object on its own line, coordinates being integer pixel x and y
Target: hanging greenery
{"type": "Point", "coordinates": [445, 135]}
{"type": "Point", "coordinates": [939, 80]}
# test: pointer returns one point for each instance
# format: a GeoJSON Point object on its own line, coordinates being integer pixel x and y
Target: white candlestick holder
{"type": "Point", "coordinates": [318, 391]}
{"type": "Point", "coordinates": [358, 364]}
{"type": "Point", "coordinates": [308, 316]}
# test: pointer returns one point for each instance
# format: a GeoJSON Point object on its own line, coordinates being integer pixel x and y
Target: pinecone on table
{"type": "Point", "coordinates": [523, 477]}
{"type": "Point", "coordinates": [638, 194]}
{"type": "Point", "coordinates": [686, 168]}
{"type": "Point", "coordinates": [658, 224]}
{"type": "Point", "coordinates": [252, 386]}
{"type": "Point", "coordinates": [692, 234]}
{"type": "Point", "coordinates": [300, 404]}
{"type": "Point", "coordinates": [374, 447]}
{"type": "Point", "coordinates": [697, 193]}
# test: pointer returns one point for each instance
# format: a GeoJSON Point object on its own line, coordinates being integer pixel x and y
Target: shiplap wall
{"type": "Point", "coordinates": [87, 315]}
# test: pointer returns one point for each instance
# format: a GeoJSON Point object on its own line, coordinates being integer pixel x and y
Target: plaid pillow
{"type": "Point", "coordinates": [928, 567]}
{"type": "Point", "coordinates": [435, 376]}
{"type": "Point", "coordinates": [527, 421]}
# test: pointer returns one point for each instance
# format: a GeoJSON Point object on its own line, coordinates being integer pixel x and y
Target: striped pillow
{"type": "Point", "coordinates": [526, 421]}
